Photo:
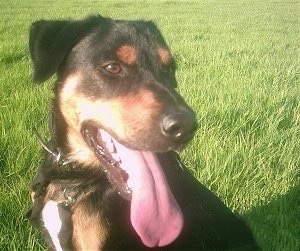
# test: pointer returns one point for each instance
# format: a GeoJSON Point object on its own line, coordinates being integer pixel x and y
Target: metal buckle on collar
{"type": "Point", "coordinates": [69, 200]}
{"type": "Point", "coordinates": [60, 160]}
{"type": "Point", "coordinates": [57, 154]}
{"type": "Point", "coordinates": [71, 194]}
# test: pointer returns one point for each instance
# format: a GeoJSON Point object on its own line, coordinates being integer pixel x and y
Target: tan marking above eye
{"type": "Point", "coordinates": [127, 54]}
{"type": "Point", "coordinates": [164, 55]}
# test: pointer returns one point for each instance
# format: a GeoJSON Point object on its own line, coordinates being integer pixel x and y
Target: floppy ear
{"type": "Point", "coordinates": [50, 42]}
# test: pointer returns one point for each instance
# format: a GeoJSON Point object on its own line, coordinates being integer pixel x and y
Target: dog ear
{"type": "Point", "coordinates": [50, 42]}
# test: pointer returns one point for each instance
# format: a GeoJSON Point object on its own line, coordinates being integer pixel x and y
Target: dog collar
{"type": "Point", "coordinates": [57, 154]}
{"type": "Point", "coordinates": [71, 194]}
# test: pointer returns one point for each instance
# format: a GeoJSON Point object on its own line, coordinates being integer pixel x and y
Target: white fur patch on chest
{"type": "Point", "coordinates": [52, 222]}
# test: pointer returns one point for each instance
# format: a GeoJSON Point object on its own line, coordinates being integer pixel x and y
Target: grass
{"type": "Point", "coordinates": [238, 68]}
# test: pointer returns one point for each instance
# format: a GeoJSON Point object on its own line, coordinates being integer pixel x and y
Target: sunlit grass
{"type": "Point", "coordinates": [238, 67]}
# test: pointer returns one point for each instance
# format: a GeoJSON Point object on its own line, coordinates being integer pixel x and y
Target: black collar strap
{"type": "Point", "coordinates": [72, 193]}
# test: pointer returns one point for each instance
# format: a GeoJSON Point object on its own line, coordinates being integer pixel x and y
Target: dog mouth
{"type": "Point", "coordinates": [104, 148]}
{"type": "Point", "coordinates": [139, 178]}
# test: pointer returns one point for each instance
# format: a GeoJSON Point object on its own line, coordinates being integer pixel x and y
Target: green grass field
{"type": "Point", "coordinates": [238, 67]}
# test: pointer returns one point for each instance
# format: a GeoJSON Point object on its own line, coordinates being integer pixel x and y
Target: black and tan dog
{"type": "Point", "coordinates": [110, 179]}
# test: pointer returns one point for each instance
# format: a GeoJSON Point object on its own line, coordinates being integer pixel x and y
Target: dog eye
{"type": "Point", "coordinates": [113, 68]}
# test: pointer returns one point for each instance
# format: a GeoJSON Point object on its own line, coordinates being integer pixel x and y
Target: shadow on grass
{"type": "Point", "coordinates": [276, 224]}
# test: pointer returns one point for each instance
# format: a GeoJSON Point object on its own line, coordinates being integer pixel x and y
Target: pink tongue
{"type": "Point", "coordinates": [155, 214]}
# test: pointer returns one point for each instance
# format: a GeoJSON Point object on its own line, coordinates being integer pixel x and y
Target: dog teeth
{"type": "Point", "coordinates": [105, 136]}
{"type": "Point", "coordinates": [110, 147]}
{"type": "Point", "coordinates": [107, 139]}
{"type": "Point", "coordinates": [115, 157]}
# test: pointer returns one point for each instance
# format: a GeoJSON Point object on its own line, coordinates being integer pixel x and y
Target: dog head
{"type": "Point", "coordinates": [114, 75]}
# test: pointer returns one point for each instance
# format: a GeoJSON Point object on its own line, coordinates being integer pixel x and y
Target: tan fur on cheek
{"type": "Point", "coordinates": [68, 99]}
{"type": "Point", "coordinates": [102, 113]}
{"type": "Point", "coordinates": [122, 116]}
{"type": "Point", "coordinates": [80, 152]}
{"type": "Point", "coordinates": [143, 106]}
{"type": "Point", "coordinates": [70, 102]}
{"type": "Point", "coordinates": [78, 108]}
{"type": "Point", "coordinates": [134, 115]}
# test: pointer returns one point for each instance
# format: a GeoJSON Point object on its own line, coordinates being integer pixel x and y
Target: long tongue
{"type": "Point", "coordinates": [155, 214]}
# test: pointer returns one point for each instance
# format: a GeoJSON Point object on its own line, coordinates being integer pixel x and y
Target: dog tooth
{"type": "Point", "coordinates": [110, 147]}
{"type": "Point", "coordinates": [116, 157]}
{"type": "Point", "coordinates": [105, 136]}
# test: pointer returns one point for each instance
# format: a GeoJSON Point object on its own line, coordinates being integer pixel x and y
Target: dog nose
{"type": "Point", "coordinates": [179, 126]}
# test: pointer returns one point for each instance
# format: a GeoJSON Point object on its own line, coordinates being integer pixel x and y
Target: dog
{"type": "Point", "coordinates": [111, 177]}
